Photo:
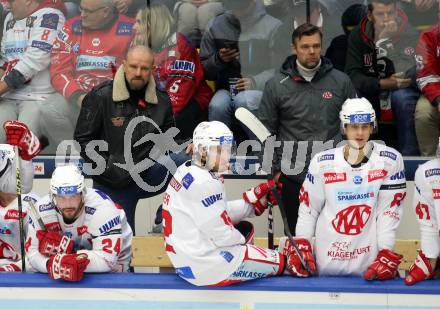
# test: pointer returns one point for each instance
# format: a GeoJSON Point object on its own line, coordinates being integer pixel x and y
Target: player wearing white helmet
{"type": "Point", "coordinates": [426, 205]}
{"type": "Point", "coordinates": [81, 230]}
{"type": "Point", "coordinates": [17, 134]}
{"type": "Point", "coordinates": [201, 227]}
{"type": "Point", "coordinates": [352, 199]}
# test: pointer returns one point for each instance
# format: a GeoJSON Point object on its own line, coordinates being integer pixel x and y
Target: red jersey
{"type": "Point", "coordinates": [428, 63]}
{"type": "Point", "coordinates": [82, 59]}
{"type": "Point", "coordinates": [179, 72]}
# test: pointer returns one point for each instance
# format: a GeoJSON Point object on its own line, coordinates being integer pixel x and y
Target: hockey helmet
{"type": "Point", "coordinates": [66, 180]}
{"type": "Point", "coordinates": [357, 110]}
{"type": "Point", "coordinates": [212, 133]}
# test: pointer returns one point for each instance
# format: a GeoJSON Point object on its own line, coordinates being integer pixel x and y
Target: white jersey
{"type": "Point", "coordinates": [200, 238]}
{"type": "Point", "coordinates": [26, 47]}
{"type": "Point", "coordinates": [426, 205]}
{"type": "Point", "coordinates": [8, 171]}
{"type": "Point", "coordinates": [101, 231]}
{"type": "Point", "coordinates": [353, 212]}
{"type": "Point", "coordinates": [10, 229]}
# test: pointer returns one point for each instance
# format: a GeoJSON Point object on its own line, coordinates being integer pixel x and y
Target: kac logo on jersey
{"type": "Point", "coordinates": [183, 65]}
{"type": "Point", "coordinates": [334, 177]}
{"type": "Point", "coordinates": [357, 180]}
{"type": "Point", "coordinates": [388, 154]}
{"type": "Point", "coordinates": [326, 157]}
{"type": "Point", "coordinates": [187, 180]}
{"type": "Point", "coordinates": [351, 220]}
{"type": "Point", "coordinates": [212, 199]}
{"type": "Point", "coordinates": [46, 207]}
{"type": "Point", "coordinates": [376, 175]}
{"type": "Point", "coordinates": [432, 172]}
{"type": "Point", "coordinates": [110, 224]}
{"type": "Point", "coordinates": [398, 175]}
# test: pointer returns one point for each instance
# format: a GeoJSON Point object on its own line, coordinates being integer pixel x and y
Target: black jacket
{"type": "Point", "coordinates": [294, 109]}
{"type": "Point", "coordinates": [105, 115]}
{"type": "Point", "coordinates": [362, 63]}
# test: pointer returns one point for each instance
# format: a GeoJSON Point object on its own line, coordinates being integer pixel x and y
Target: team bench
{"type": "Point", "coordinates": [149, 251]}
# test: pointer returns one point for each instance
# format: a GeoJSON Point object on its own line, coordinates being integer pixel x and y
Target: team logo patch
{"type": "Point", "coordinates": [388, 154]}
{"type": "Point", "coordinates": [327, 95]}
{"type": "Point", "coordinates": [30, 20]}
{"type": "Point", "coordinates": [175, 184]}
{"type": "Point", "coordinates": [124, 28]}
{"type": "Point", "coordinates": [96, 42]}
{"type": "Point", "coordinates": [326, 157]}
{"type": "Point", "coordinates": [436, 194]}
{"type": "Point", "coordinates": [10, 24]}
{"type": "Point", "coordinates": [226, 140]}
{"type": "Point", "coordinates": [183, 65]}
{"type": "Point", "coordinates": [432, 172]}
{"type": "Point", "coordinates": [187, 180]}
{"type": "Point", "coordinates": [50, 21]}
{"type": "Point", "coordinates": [227, 256]}
{"type": "Point", "coordinates": [334, 177]}
{"type": "Point", "coordinates": [185, 272]}
{"type": "Point", "coordinates": [110, 225]}
{"type": "Point", "coordinates": [357, 180]}
{"type": "Point", "coordinates": [118, 121]}
{"type": "Point", "coordinates": [409, 51]}
{"type": "Point", "coordinates": [352, 220]}
{"type": "Point", "coordinates": [376, 174]}
{"type": "Point", "coordinates": [90, 210]}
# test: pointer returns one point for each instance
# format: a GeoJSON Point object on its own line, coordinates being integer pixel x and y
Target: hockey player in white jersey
{"type": "Point", "coordinates": [200, 232]}
{"type": "Point", "coordinates": [17, 134]}
{"type": "Point", "coordinates": [81, 230]}
{"type": "Point", "coordinates": [426, 204]}
{"type": "Point", "coordinates": [352, 199]}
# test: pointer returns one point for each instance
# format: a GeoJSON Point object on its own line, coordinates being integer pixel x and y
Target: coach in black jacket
{"type": "Point", "coordinates": [301, 104]}
{"type": "Point", "coordinates": [107, 113]}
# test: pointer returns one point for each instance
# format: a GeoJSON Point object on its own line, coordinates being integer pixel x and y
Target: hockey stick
{"type": "Point", "coordinates": [262, 133]}
{"type": "Point", "coordinates": [35, 215]}
{"type": "Point", "coordinates": [20, 209]}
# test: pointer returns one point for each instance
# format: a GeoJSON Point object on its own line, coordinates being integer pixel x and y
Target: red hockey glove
{"type": "Point", "coordinates": [257, 196]}
{"type": "Point", "coordinates": [384, 267]}
{"type": "Point", "coordinates": [294, 265]}
{"type": "Point", "coordinates": [18, 134]}
{"type": "Point", "coordinates": [51, 243]}
{"type": "Point", "coordinates": [10, 268]}
{"type": "Point", "coordinates": [69, 267]}
{"type": "Point", "coordinates": [420, 270]}
{"type": "Point", "coordinates": [271, 197]}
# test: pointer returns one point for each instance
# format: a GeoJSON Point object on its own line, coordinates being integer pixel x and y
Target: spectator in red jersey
{"type": "Point", "coordinates": [86, 53]}
{"type": "Point", "coordinates": [177, 67]}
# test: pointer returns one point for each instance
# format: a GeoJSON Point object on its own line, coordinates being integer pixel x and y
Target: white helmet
{"type": "Point", "coordinates": [66, 180]}
{"type": "Point", "coordinates": [358, 110]}
{"type": "Point", "coordinates": [212, 133]}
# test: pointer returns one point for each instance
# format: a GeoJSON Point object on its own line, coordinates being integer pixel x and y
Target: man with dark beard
{"type": "Point", "coordinates": [106, 114]}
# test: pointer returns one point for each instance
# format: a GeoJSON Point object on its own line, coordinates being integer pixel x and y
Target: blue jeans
{"type": "Point", "coordinates": [403, 103]}
{"type": "Point", "coordinates": [128, 197]}
{"type": "Point", "coordinates": [222, 107]}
